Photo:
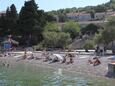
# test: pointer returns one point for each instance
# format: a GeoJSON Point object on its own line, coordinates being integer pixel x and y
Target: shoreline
{"type": "Point", "coordinates": [79, 66]}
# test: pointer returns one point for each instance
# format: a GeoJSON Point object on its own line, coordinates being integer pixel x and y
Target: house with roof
{"type": "Point", "coordinates": [80, 17]}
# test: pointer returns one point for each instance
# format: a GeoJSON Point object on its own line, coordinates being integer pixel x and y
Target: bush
{"type": "Point", "coordinates": [56, 39]}
{"type": "Point", "coordinates": [52, 27]}
{"type": "Point", "coordinates": [88, 45]}
{"type": "Point", "coordinates": [38, 47]}
{"type": "Point", "coordinates": [90, 29]}
{"type": "Point", "coordinates": [72, 28]}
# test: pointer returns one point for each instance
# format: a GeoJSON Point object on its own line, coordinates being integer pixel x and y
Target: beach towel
{"type": "Point", "coordinates": [59, 56]}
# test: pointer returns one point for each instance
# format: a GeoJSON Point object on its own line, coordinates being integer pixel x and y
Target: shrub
{"type": "Point", "coordinates": [38, 47]}
{"type": "Point", "coordinates": [88, 45]}
{"type": "Point", "coordinates": [56, 39]}
{"type": "Point", "coordinates": [72, 28]}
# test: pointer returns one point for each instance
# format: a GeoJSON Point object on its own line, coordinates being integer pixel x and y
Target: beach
{"type": "Point", "coordinates": [80, 64]}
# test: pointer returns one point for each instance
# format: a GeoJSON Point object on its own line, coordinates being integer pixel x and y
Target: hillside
{"type": "Point", "coordinates": [99, 8]}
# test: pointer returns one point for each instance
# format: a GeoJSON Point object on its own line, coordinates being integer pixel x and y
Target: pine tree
{"type": "Point", "coordinates": [11, 19]}
{"type": "Point", "coordinates": [31, 21]}
{"type": "Point", "coordinates": [2, 25]}
{"type": "Point", "coordinates": [27, 17]}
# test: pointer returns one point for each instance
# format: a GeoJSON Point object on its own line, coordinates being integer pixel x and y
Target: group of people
{"type": "Point", "coordinates": [27, 56]}
{"type": "Point", "coordinates": [100, 50]}
{"type": "Point", "coordinates": [68, 58]}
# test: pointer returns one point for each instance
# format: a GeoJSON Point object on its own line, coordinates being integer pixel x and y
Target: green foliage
{"type": "Point", "coordinates": [8, 22]}
{"type": "Point", "coordinates": [88, 9]}
{"type": "Point", "coordinates": [38, 47]}
{"type": "Point", "coordinates": [89, 45]}
{"type": "Point", "coordinates": [62, 17]}
{"type": "Point", "coordinates": [112, 4]}
{"type": "Point", "coordinates": [90, 29]}
{"type": "Point", "coordinates": [100, 8]}
{"type": "Point", "coordinates": [64, 39]}
{"type": "Point", "coordinates": [108, 34]}
{"type": "Point", "coordinates": [50, 17]}
{"type": "Point", "coordinates": [72, 28]}
{"type": "Point", "coordinates": [56, 39]}
{"type": "Point", "coordinates": [31, 22]}
{"type": "Point", "coordinates": [41, 18]}
{"type": "Point", "coordinates": [98, 38]}
{"type": "Point", "coordinates": [111, 22]}
{"type": "Point", "coordinates": [52, 27]}
{"type": "Point", "coordinates": [2, 24]}
{"type": "Point", "coordinates": [28, 17]}
{"type": "Point", "coordinates": [92, 14]}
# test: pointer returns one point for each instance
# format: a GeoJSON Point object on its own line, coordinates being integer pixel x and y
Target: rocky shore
{"type": "Point", "coordinates": [80, 65]}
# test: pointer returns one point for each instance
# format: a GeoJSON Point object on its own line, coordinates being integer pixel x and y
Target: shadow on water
{"type": "Point", "coordinates": [24, 74]}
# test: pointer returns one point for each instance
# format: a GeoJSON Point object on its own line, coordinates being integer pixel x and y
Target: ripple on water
{"type": "Point", "coordinates": [23, 75]}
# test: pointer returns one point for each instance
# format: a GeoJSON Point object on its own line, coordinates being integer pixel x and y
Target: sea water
{"type": "Point", "coordinates": [25, 74]}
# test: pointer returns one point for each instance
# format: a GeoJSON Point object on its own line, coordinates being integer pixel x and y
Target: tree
{"type": "Point", "coordinates": [62, 17]}
{"type": "Point", "coordinates": [9, 20]}
{"type": "Point", "coordinates": [64, 40]}
{"type": "Point", "coordinates": [112, 4]}
{"type": "Point", "coordinates": [52, 27]}
{"type": "Point", "coordinates": [28, 18]}
{"type": "Point", "coordinates": [50, 17]}
{"type": "Point", "coordinates": [92, 14]}
{"type": "Point", "coordinates": [90, 29]}
{"type": "Point", "coordinates": [56, 39]}
{"type": "Point", "coordinates": [100, 8]}
{"type": "Point", "coordinates": [72, 28]}
{"type": "Point", "coordinates": [30, 23]}
{"type": "Point", "coordinates": [2, 25]}
{"type": "Point", "coordinates": [98, 39]}
{"type": "Point", "coordinates": [108, 34]}
{"type": "Point", "coordinates": [88, 45]}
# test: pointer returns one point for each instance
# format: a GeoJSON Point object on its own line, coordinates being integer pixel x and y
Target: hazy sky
{"type": "Point", "coordinates": [49, 5]}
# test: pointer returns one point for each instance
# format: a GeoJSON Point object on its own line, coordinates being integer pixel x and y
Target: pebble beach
{"type": "Point", "coordinates": [80, 64]}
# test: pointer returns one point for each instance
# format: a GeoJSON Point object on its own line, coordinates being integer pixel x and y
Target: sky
{"type": "Point", "coordinates": [48, 5]}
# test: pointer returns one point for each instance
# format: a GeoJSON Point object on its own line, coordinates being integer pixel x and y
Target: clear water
{"type": "Point", "coordinates": [23, 74]}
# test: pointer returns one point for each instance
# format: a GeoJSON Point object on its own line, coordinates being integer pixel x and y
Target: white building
{"type": "Point", "coordinates": [86, 16]}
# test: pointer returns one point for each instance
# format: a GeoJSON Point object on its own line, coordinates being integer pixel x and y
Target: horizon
{"type": "Point", "coordinates": [50, 5]}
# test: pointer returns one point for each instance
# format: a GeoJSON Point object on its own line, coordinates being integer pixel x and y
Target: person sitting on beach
{"type": "Point", "coordinates": [70, 58]}
{"type": "Point", "coordinates": [96, 62]}
{"type": "Point", "coordinates": [90, 61]}
{"type": "Point", "coordinates": [54, 59]}
{"type": "Point", "coordinates": [43, 54]}
{"type": "Point", "coordinates": [31, 56]}
{"type": "Point", "coordinates": [47, 57]}
{"type": "Point", "coordinates": [64, 59]}
{"type": "Point", "coordinates": [25, 55]}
